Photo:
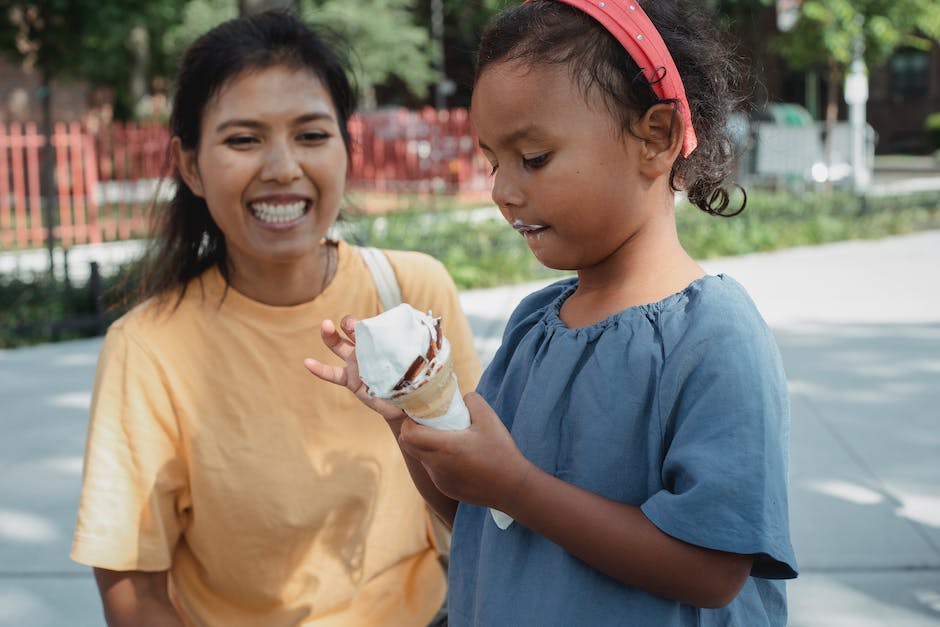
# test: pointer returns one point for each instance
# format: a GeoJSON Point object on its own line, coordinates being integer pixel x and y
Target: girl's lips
{"type": "Point", "coordinates": [527, 228]}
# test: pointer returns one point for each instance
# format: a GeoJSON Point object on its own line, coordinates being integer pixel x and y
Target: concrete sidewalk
{"type": "Point", "coordinates": [859, 327]}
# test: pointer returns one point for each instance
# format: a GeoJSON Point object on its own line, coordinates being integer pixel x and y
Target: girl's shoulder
{"type": "Point", "coordinates": [542, 301]}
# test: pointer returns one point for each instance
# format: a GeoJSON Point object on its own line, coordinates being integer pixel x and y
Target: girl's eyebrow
{"type": "Point", "coordinates": [257, 124]}
{"type": "Point", "coordinates": [528, 131]}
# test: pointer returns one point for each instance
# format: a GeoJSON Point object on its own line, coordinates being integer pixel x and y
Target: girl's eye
{"type": "Point", "coordinates": [535, 162]}
{"type": "Point", "coordinates": [493, 171]}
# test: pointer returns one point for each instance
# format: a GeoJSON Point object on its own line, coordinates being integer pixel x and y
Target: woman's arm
{"type": "Point", "coordinates": [482, 465]}
{"type": "Point", "coordinates": [348, 377]}
{"type": "Point", "coordinates": [136, 598]}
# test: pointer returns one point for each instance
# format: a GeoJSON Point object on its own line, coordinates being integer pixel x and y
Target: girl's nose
{"type": "Point", "coordinates": [506, 192]}
{"type": "Point", "coordinates": [281, 164]}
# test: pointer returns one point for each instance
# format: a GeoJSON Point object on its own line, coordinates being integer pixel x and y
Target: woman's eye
{"type": "Point", "coordinates": [239, 140]}
{"type": "Point", "coordinates": [314, 136]}
{"type": "Point", "coordinates": [493, 171]}
{"type": "Point", "coordinates": [535, 162]}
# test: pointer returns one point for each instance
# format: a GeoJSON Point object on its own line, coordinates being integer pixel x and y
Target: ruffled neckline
{"type": "Point", "coordinates": [649, 312]}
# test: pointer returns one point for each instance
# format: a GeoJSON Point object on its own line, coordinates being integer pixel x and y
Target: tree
{"type": "Point", "coordinates": [76, 39]}
{"type": "Point", "coordinates": [248, 7]}
{"type": "Point", "coordinates": [386, 37]}
{"type": "Point", "coordinates": [828, 32]}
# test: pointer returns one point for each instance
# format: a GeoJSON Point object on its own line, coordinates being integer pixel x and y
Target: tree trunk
{"type": "Point", "coordinates": [250, 7]}
{"type": "Point", "coordinates": [832, 115]}
{"type": "Point", "coordinates": [47, 178]}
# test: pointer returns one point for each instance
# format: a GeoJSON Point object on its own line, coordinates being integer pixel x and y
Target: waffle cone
{"type": "Point", "coordinates": [433, 397]}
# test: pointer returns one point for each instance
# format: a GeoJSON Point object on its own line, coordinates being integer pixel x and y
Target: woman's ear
{"type": "Point", "coordinates": [185, 160]}
{"type": "Point", "coordinates": [660, 130]}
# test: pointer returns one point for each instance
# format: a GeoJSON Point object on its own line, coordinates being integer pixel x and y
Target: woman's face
{"type": "Point", "coordinates": [271, 165]}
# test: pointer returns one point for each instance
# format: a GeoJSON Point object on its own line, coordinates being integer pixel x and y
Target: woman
{"type": "Point", "coordinates": [220, 487]}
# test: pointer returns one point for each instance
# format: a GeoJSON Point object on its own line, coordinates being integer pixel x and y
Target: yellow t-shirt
{"type": "Point", "coordinates": [273, 498]}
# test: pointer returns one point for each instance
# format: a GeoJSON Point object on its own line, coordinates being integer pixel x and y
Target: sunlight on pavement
{"type": "Point", "coordinates": [921, 508]}
{"type": "Point", "coordinates": [851, 492]}
{"type": "Point", "coordinates": [76, 359]}
{"type": "Point", "coordinates": [65, 465]}
{"type": "Point", "coordinates": [19, 606]}
{"type": "Point", "coordinates": [75, 400]}
{"type": "Point", "coordinates": [25, 527]}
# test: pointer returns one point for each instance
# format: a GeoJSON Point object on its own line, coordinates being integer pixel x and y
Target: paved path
{"type": "Point", "coordinates": [859, 327]}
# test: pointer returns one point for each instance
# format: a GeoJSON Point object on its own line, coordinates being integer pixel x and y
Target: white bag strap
{"type": "Point", "coordinates": [386, 283]}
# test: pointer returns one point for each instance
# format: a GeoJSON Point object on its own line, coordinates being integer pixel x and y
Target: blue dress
{"type": "Point", "coordinates": [679, 407]}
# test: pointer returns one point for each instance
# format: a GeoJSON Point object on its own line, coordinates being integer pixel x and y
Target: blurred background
{"type": "Point", "coordinates": [844, 115]}
{"type": "Point", "coordinates": [838, 148]}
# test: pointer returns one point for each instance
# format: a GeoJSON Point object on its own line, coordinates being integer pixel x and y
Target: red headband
{"type": "Point", "coordinates": [628, 22]}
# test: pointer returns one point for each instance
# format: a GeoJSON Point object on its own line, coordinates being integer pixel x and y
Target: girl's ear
{"type": "Point", "coordinates": [185, 161]}
{"type": "Point", "coordinates": [660, 130]}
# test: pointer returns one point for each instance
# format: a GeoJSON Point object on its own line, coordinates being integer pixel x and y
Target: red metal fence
{"type": "Point", "coordinates": [105, 181]}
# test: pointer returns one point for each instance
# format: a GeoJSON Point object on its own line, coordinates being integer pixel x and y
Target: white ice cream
{"type": "Point", "coordinates": [387, 345]}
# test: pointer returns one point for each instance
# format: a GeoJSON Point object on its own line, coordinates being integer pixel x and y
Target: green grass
{"type": "Point", "coordinates": [483, 252]}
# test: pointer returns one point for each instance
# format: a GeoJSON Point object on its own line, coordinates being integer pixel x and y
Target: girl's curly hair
{"type": "Point", "coordinates": [547, 31]}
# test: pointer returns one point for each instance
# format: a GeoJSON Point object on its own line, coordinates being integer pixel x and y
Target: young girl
{"type": "Point", "coordinates": [220, 488]}
{"type": "Point", "coordinates": [634, 422]}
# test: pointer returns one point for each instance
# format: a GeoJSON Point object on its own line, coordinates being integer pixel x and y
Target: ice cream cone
{"type": "Point", "coordinates": [433, 397]}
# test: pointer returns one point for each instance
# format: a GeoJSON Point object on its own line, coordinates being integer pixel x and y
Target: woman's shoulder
{"type": "Point", "coordinates": [415, 264]}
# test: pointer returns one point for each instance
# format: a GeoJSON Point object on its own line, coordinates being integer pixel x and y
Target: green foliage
{"type": "Point", "coordinates": [932, 126]}
{"type": "Point", "coordinates": [477, 250]}
{"type": "Point", "coordinates": [480, 250]}
{"type": "Point", "coordinates": [826, 30]}
{"type": "Point", "coordinates": [82, 39]}
{"type": "Point", "coordinates": [386, 36]}
{"type": "Point", "coordinates": [42, 309]}
{"type": "Point", "coordinates": [773, 220]}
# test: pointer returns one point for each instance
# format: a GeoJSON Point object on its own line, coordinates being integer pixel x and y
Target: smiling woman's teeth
{"type": "Point", "coordinates": [269, 212]}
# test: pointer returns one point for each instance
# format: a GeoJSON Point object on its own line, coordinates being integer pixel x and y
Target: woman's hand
{"type": "Point", "coordinates": [480, 465]}
{"type": "Point", "coordinates": [348, 376]}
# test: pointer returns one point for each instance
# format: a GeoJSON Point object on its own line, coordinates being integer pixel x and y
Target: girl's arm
{"type": "Point", "coordinates": [482, 465]}
{"type": "Point", "coordinates": [136, 598]}
{"type": "Point", "coordinates": [348, 377]}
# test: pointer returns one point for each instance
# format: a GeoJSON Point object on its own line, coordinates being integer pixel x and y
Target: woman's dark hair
{"type": "Point", "coordinates": [548, 31]}
{"type": "Point", "coordinates": [186, 241]}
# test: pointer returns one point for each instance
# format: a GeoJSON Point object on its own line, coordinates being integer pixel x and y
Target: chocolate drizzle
{"type": "Point", "coordinates": [418, 365]}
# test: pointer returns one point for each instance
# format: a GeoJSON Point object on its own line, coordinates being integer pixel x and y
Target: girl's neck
{"type": "Point", "coordinates": [287, 284]}
{"type": "Point", "coordinates": [643, 271]}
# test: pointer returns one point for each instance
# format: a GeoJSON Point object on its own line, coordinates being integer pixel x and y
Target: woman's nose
{"type": "Point", "coordinates": [281, 164]}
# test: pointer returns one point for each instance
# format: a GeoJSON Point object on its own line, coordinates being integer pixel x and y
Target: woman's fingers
{"type": "Point", "coordinates": [340, 346]}
{"type": "Point", "coordinates": [348, 324]}
{"type": "Point", "coordinates": [330, 374]}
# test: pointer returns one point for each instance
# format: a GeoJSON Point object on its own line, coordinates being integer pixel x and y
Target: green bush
{"type": "Point", "coordinates": [932, 126]}
{"type": "Point", "coordinates": [481, 250]}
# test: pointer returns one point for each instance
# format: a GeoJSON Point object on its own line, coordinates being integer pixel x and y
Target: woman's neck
{"type": "Point", "coordinates": [287, 284]}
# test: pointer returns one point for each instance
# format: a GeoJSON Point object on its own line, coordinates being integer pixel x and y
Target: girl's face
{"type": "Point", "coordinates": [271, 165]}
{"type": "Point", "coordinates": [566, 175]}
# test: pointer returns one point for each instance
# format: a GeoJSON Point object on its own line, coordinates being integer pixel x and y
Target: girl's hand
{"type": "Point", "coordinates": [348, 376]}
{"type": "Point", "coordinates": [480, 465]}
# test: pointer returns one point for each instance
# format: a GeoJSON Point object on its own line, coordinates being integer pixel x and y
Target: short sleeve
{"type": "Point", "coordinates": [427, 286]}
{"type": "Point", "coordinates": [134, 489]}
{"type": "Point", "coordinates": [724, 415]}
